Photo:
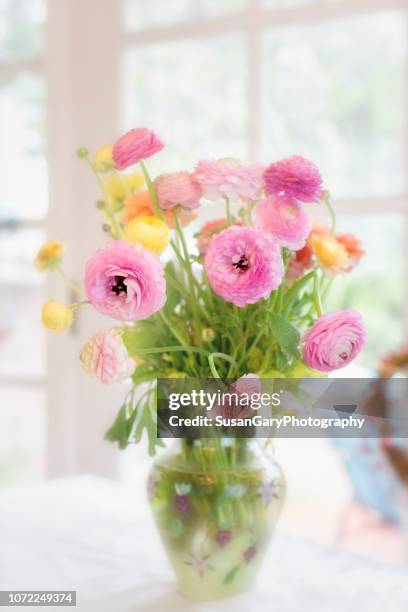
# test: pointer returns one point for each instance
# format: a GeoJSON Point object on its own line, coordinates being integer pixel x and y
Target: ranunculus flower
{"type": "Point", "coordinates": [331, 254]}
{"type": "Point", "coordinates": [177, 189]}
{"type": "Point", "coordinates": [229, 178]}
{"type": "Point", "coordinates": [208, 231]}
{"type": "Point", "coordinates": [353, 247]}
{"type": "Point", "coordinates": [125, 282]}
{"type": "Point", "coordinates": [243, 265]}
{"type": "Point", "coordinates": [105, 356]}
{"type": "Point", "coordinates": [285, 220]}
{"type": "Point", "coordinates": [103, 162]}
{"type": "Point", "coordinates": [294, 177]}
{"type": "Point", "coordinates": [57, 316]}
{"type": "Point", "coordinates": [134, 146]}
{"type": "Point", "coordinates": [117, 187]}
{"type": "Point", "coordinates": [49, 255]}
{"type": "Point", "coordinates": [239, 403]}
{"type": "Point", "coordinates": [300, 263]}
{"type": "Point", "coordinates": [334, 340]}
{"type": "Point", "coordinates": [150, 231]}
{"type": "Point", "coordinates": [137, 204]}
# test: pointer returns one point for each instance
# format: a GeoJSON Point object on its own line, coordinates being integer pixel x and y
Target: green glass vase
{"type": "Point", "coordinates": [216, 503]}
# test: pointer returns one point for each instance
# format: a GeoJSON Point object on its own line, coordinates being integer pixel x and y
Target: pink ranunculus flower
{"type": "Point", "coordinates": [177, 189]}
{"type": "Point", "coordinates": [238, 404]}
{"type": "Point", "coordinates": [229, 178]}
{"type": "Point", "coordinates": [125, 282]}
{"type": "Point", "coordinates": [334, 340]}
{"type": "Point", "coordinates": [243, 265]}
{"type": "Point", "coordinates": [105, 356]}
{"type": "Point", "coordinates": [294, 177]}
{"type": "Point", "coordinates": [286, 220]}
{"type": "Point", "coordinates": [134, 146]}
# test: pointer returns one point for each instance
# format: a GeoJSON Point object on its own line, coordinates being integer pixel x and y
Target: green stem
{"type": "Point", "coordinates": [228, 211]}
{"type": "Point", "coordinates": [171, 349]}
{"type": "Point", "coordinates": [173, 329]}
{"type": "Point", "coordinates": [108, 208]}
{"type": "Point", "coordinates": [184, 267]}
{"type": "Point", "coordinates": [213, 369]}
{"type": "Point", "coordinates": [152, 192]}
{"type": "Point", "coordinates": [248, 211]}
{"type": "Point", "coordinates": [316, 295]}
{"type": "Point", "coordinates": [331, 212]}
{"type": "Point", "coordinates": [327, 288]}
{"type": "Point", "coordinates": [294, 291]}
{"type": "Point", "coordinates": [188, 268]}
{"type": "Point", "coordinates": [71, 284]}
{"type": "Point", "coordinates": [76, 305]}
{"type": "Point", "coordinates": [178, 286]}
{"type": "Point", "coordinates": [211, 362]}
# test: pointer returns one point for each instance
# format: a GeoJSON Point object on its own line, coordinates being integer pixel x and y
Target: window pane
{"type": "Point", "coordinates": [339, 101]}
{"type": "Point", "coordinates": [198, 111]}
{"type": "Point", "coordinates": [141, 14]}
{"type": "Point", "coordinates": [21, 296]}
{"type": "Point", "coordinates": [23, 172]}
{"type": "Point", "coordinates": [21, 28]}
{"type": "Point", "coordinates": [22, 434]}
{"type": "Point", "coordinates": [376, 286]}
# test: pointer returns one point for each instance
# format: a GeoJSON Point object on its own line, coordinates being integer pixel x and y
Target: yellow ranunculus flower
{"type": "Point", "coordinates": [331, 254]}
{"type": "Point", "coordinates": [57, 316]}
{"type": "Point", "coordinates": [49, 255]}
{"type": "Point", "coordinates": [103, 162]}
{"type": "Point", "coordinates": [118, 187]}
{"type": "Point", "coordinates": [151, 232]}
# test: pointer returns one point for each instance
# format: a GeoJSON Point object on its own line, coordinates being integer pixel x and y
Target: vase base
{"type": "Point", "coordinates": [242, 595]}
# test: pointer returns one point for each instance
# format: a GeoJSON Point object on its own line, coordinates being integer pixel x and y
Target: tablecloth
{"type": "Point", "coordinates": [97, 537]}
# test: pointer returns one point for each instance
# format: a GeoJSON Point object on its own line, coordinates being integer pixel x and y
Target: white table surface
{"type": "Point", "coordinates": [97, 537]}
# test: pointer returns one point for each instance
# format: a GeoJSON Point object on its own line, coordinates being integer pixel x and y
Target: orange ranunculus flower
{"type": "Point", "coordinates": [330, 254]}
{"type": "Point", "coordinates": [353, 247]}
{"type": "Point", "coordinates": [139, 204]}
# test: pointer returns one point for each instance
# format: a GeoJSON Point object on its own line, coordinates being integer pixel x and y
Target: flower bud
{"type": "Point", "coordinates": [82, 152]}
{"type": "Point", "coordinates": [103, 162]}
{"type": "Point", "coordinates": [57, 316]}
{"type": "Point", "coordinates": [49, 255]}
{"type": "Point", "coordinates": [207, 334]}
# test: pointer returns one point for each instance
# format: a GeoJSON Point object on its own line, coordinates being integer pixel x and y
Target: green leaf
{"type": "Point", "coordinates": [295, 290]}
{"type": "Point", "coordinates": [231, 575]}
{"type": "Point", "coordinates": [118, 432]}
{"type": "Point", "coordinates": [144, 373]}
{"type": "Point", "coordinates": [285, 334]}
{"type": "Point", "coordinates": [141, 337]}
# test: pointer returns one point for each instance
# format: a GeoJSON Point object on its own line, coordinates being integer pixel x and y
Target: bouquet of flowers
{"type": "Point", "coordinates": [245, 299]}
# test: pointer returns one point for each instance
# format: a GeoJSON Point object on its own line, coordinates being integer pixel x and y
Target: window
{"type": "Point", "coordinates": [269, 78]}
{"type": "Point", "coordinates": [23, 207]}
